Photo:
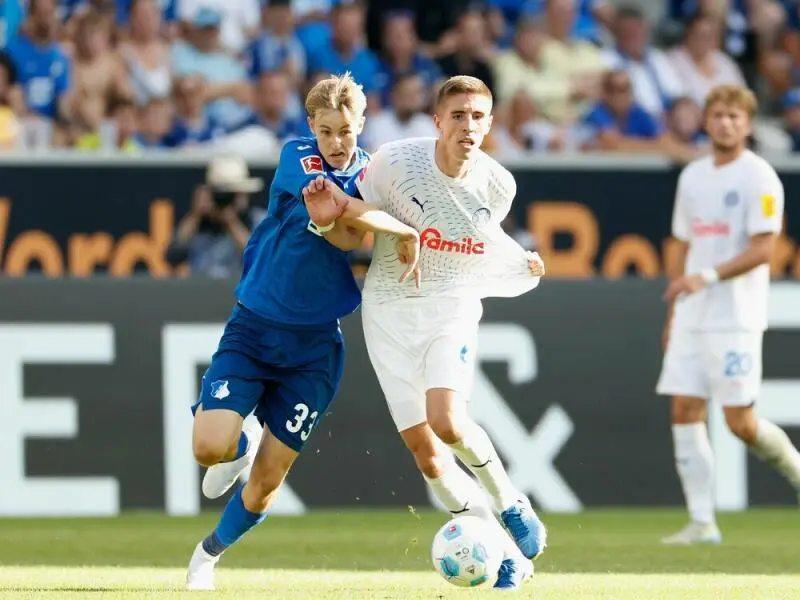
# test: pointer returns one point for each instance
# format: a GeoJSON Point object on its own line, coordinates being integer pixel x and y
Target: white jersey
{"type": "Point", "coordinates": [464, 250]}
{"type": "Point", "coordinates": [717, 210]}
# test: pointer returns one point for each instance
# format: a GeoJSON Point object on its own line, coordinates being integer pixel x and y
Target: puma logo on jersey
{"type": "Point", "coordinates": [418, 203]}
{"type": "Point", "coordinates": [432, 239]}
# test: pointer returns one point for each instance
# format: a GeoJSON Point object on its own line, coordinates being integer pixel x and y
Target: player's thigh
{"type": "Point", "coordinates": [395, 354]}
{"type": "Point", "coordinates": [298, 398]}
{"type": "Point", "coordinates": [682, 372]}
{"type": "Point", "coordinates": [231, 388]}
{"type": "Point", "coordinates": [449, 367]}
{"type": "Point", "coordinates": [733, 360]}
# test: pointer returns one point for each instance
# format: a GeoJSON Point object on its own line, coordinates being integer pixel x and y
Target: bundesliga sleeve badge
{"type": "Point", "coordinates": [312, 164]}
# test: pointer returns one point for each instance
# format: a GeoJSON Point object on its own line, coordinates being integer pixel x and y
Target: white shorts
{"type": "Point", "coordinates": [721, 366]}
{"type": "Point", "coordinates": [419, 344]}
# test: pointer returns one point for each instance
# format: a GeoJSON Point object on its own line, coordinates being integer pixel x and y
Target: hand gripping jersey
{"type": "Point", "coordinates": [464, 250]}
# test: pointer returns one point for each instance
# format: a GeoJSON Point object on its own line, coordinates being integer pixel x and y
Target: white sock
{"type": "Point", "coordinates": [462, 496]}
{"type": "Point", "coordinates": [695, 462]}
{"type": "Point", "coordinates": [478, 454]}
{"type": "Point", "coordinates": [774, 447]}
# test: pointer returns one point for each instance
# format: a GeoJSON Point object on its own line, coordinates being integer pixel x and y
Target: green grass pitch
{"type": "Point", "coordinates": [377, 555]}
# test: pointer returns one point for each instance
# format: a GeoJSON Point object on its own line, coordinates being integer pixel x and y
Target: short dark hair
{"type": "Point", "coordinates": [462, 84]}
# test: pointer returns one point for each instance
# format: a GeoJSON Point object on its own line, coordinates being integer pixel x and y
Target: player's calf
{"type": "Point", "coordinates": [470, 443]}
{"type": "Point", "coordinates": [246, 508]}
{"type": "Point", "coordinates": [767, 441]}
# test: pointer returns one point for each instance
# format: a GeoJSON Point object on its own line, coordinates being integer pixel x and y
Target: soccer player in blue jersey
{"type": "Point", "coordinates": [281, 355]}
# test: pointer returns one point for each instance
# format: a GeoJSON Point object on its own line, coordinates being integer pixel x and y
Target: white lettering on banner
{"type": "Point", "coordinates": [778, 403]}
{"type": "Point", "coordinates": [22, 417]}
{"type": "Point", "coordinates": [184, 347]}
{"type": "Point", "coordinates": [529, 456]}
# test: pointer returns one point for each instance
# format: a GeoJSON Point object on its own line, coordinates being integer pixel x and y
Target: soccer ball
{"type": "Point", "coordinates": [467, 552]}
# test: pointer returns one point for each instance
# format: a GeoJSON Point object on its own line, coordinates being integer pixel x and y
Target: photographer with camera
{"type": "Point", "coordinates": [212, 236]}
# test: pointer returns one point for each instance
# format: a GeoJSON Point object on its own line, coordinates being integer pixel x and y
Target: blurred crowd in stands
{"type": "Point", "coordinates": [568, 75]}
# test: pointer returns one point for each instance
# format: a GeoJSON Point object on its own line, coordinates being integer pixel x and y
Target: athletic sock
{"type": "Point", "coordinates": [774, 447]}
{"type": "Point", "coordinates": [241, 450]}
{"type": "Point", "coordinates": [477, 452]}
{"type": "Point", "coordinates": [236, 521]}
{"type": "Point", "coordinates": [694, 460]}
{"type": "Point", "coordinates": [462, 496]}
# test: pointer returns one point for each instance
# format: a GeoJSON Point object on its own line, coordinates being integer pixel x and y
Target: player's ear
{"type": "Point", "coordinates": [437, 122]}
{"type": "Point", "coordinates": [311, 125]}
{"type": "Point", "coordinates": [361, 122]}
{"type": "Point", "coordinates": [489, 121]}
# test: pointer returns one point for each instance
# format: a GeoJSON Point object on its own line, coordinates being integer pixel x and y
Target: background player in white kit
{"type": "Point", "coordinates": [728, 212]}
{"type": "Point", "coordinates": [422, 342]}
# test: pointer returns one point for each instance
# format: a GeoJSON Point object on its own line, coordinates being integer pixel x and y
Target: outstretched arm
{"type": "Point", "coordinates": [348, 219]}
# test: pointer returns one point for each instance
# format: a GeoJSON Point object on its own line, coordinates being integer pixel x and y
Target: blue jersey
{"type": "Point", "coordinates": [43, 73]}
{"type": "Point", "coordinates": [291, 274]}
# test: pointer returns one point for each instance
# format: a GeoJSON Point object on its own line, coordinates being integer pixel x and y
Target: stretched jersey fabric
{"type": "Point", "coordinates": [291, 274]}
{"type": "Point", "coordinates": [464, 250]}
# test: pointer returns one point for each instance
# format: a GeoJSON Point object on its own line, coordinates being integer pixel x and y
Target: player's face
{"type": "Point", "coordinates": [463, 121]}
{"type": "Point", "coordinates": [337, 135]}
{"type": "Point", "coordinates": [727, 125]}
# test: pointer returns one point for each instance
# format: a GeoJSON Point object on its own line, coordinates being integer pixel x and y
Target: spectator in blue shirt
{"type": "Point", "coordinates": [346, 51]}
{"type": "Point", "coordinates": [228, 91]}
{"type": "Point", "coordinates": [193, 123]}
{"type": "Point", "coordinates": [278, 47]}
{"type": "Point", "coordinates": [781, 66]}
{"type": "Point", "coordinates": [401, 56]}
{"type": "Point", "coordinates": [791, 117]}
{"type": "Point", "coordinates": [43, 69]}
{"type": "Point", "coordinates": [273, 108]}
{"type": "Point", "coordinates": [154, 124]}
{"type": "Point", "coordinates": [618, 124]}
{"type": "Point", "coordinates": [592, 16]}
{"type": "Point", "coordinates": [685, 122]}
{"type": "Point", "coordinates": [12, 12]}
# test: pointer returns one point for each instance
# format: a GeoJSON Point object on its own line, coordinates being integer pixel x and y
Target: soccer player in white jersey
{"type": "Point", "coordinates": [728, 213]}
{"type": "Point", "coordinates": [422, 342]}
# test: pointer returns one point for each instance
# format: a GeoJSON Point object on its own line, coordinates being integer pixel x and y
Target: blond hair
{"type": "Point", "coordinates": [733, 95]}
{"type": "Point", "coordinates": [337, 92]}
{"type": "Point", "coordinates": [462, 84]}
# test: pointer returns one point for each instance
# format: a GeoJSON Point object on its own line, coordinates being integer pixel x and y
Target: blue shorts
{"type": "Point", "coordinates": [286, 375]}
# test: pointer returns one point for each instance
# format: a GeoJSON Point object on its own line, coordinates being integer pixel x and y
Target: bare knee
{"type": "Point", "coordinates": [209, 451]}
{"type": "Point", "coordinates": [431, 460]}
{"type": "Point", "coordinates": [215, 436]}
{"type": "Point", "coordinates": [742, 423]}
{"type": "Point", "coordinates": [444, 418]}
{"type": "Point", "coordinates": [686, 411]}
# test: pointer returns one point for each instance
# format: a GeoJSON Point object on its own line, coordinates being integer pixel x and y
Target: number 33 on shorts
{"type": "Point", "coordinates": [302, 422]}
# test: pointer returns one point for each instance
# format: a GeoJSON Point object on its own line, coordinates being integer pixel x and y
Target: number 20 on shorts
{"type": "Point", "coordinates": [737, 364]}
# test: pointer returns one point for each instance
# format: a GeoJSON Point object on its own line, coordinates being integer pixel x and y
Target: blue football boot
{"type": "Point", "coordinates": [525, 528]}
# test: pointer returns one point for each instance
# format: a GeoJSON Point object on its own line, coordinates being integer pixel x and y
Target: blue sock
{"type": "Point", "coordinates": [244, 442]}
{"type": "Point", "coordinates": [236, 520]}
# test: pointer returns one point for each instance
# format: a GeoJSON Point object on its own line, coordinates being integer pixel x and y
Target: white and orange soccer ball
{"type": "Point", "coordinates": [466, 552]}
